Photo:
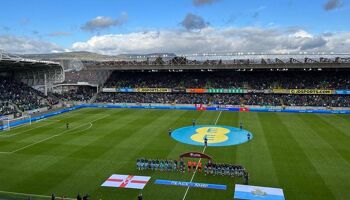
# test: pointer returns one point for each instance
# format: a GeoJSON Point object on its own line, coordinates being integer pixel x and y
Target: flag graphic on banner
{"type": "Point", "coordinates": [250, 192]}
{"type": "Point", "coordinates": [126, 181]}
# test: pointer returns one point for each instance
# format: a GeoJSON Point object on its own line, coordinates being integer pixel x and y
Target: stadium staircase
{"type": "Point", "coordinates": [15, 107]}
{"type": "Point", "coordinates": [93, 98]}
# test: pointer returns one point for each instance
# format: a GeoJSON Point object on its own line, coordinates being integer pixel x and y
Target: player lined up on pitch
{"type": "Point", "coordinates": [219, 169]}
{"type": "Point", "coordinates": [156, 164]}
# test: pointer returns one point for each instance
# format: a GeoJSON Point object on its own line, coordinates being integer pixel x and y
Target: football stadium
{"type": "Point", "coordinates": [132, 123]}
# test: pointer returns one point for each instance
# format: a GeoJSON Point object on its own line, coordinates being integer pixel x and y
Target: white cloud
{"type": "Point", "coordinates": [302, 34]}
{"type": "Point", "coordinates": [23, 45]}
{"type": "Point", "coordinates": [207, 40]}
{"type": "Point", "coordinates": [248, 39]}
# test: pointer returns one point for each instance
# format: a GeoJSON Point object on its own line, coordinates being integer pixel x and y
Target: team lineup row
{"type": "Point", "coordinates": [209, 167]}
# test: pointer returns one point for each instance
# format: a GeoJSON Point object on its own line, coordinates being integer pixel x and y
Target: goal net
{"type": "Point", "coordinates": [7, 123]}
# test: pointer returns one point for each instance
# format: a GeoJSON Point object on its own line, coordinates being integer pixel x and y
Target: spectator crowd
{"type": "Point", "coordinates": [252, 80]}
{"type": "Point", "coordinates": [228, 99]}
{"type": "Point", "coordinates": [81, 93]}
{"type": "Point", "coordinates": [16, 95]}
{"type": "Point", "coordinates": [258, 80]}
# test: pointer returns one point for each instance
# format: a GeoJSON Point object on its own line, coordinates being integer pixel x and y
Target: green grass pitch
{"type": "Point", "coordinates": [308, 155]}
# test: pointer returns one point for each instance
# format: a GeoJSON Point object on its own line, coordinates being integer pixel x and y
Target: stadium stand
{"type": "Point", "coordinates": [81, 93]}
{"type": "Point", "coordinates": [232, 79]}
{"type": "Point", "coordinates": [258, 82]}
{"type": "Point", "coordinates": [22, 96]}
{"type": "Point", "coordinates": [6, 109]}
{"type": "Point", "coordinates": [253, 86]}
{"type": "Point", "coordinates": [227, 99]}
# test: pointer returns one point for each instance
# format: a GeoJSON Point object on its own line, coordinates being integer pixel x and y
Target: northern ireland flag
{"type": "Point", "coordinates": [126, 181]}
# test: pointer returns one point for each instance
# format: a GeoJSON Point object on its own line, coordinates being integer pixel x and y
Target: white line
{"type": "Point", "coordinates": [216, 121]}
{"type": "Point", "coordinates": [32, 195]}
{"type": "Point", "coordinates": [11, 135]}
{"type": "Point", "coordinates": [47, 120]}
{"type": "Point", "coordinates": [193, 175]}
{"type": "Point", "coordinates": [83, 129]}
{"type": "Point", "coordinates": [54, 136]}
{"type": "Point", "coordinates": [29, 145]}
{"type": "Point", "coordinates": [17, 127]}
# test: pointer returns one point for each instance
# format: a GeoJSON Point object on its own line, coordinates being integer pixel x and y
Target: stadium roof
{"type": "Point", "coordinates": [230, 61]}
{"type": "Point", "coordinates": [10, 62]}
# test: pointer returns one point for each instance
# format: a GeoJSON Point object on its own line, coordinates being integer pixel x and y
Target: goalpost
{"type": "Point", "coordinates": [7, 123]}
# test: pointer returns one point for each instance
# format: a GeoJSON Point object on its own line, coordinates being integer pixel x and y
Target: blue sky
{"type": "Point", "coordinates": [101, 25]}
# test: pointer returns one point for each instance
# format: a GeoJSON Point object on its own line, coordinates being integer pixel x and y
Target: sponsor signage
{"type": "Point", "coordinates": [251, 192]}
{"type": "Point", "coordinates": [216, 90]}
{"type": "Point", "coordinates": [125, 90]}
{"type": "Point", "coordinates": [191, 184]}
{"type": "Point", "coordinates": [280, 91]}
{"type": "Point", "coordinates": [126, 181]}
{"type": "Point", "coordinates": [342, 92]}
{"type": "Point", "coordinates": [155, 90]}
{"type": "Point", "coordinates": [310, 91]}
{"type": "Point", "coordinates": [109, 90]}
{"type": "Point", "coordinates": [237, 91]}
{"type": "Point", "coordinates": [178, 90]}
{"type": "Point", "coordinates": [146, 90]}
{"type": "Point", "coordinates": [195, 155]}
{"type": "Point", "coordinates": [260, 91]}
{"type": "Point", "coordinates": [196, 90]}
{"type": "Point", "coordinates": [302, 91]}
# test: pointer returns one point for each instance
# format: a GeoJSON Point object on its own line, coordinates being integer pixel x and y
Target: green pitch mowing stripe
{"type": "Point", "coordinates": [296, 174]}
{"type": "Point", "coordinates": [256, 155]}
{"type": "Point", "coordinates": [328, 162]}
{"type": "Point", "coordinates": [305, 154]}
{"type": "Point", "coordinates": [203, 151]}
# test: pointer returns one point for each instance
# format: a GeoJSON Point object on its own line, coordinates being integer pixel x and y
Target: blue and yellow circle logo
{"type": "Point", "coordinates": [216, 135]}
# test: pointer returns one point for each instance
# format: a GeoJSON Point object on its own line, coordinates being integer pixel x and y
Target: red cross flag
{"type": "Point", "coordinates": [126, 181]}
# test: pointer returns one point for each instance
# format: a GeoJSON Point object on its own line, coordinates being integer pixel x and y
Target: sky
{"type": "Point", "coordinates": [114, 27]}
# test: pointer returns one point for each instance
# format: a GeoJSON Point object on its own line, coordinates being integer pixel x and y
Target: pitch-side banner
{"type": "Point", "coordinates": [109, 90]}
{"type": "Point", "coordinates": [216, 90]}
{"type": "Point", "coordinates": [222, 90]}
{"type": "Point", "coordinates": [155, 90]}
{"type": "Point", "coordinates": [310, 91]}
{"type": "Point", "coordinates": [345, 92]}
{"type": "Point", "coordinates": [196, 90]}
{"type": "Point", "coordinates": [302, 91]}
{"type": "Point", "coordinates": [280, 91]}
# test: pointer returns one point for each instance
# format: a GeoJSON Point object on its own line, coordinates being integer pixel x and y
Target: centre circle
{"type": "Point", "coordinates": [217, 135]}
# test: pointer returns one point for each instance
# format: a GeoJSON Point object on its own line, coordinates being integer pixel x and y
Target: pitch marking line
{"type": "Point", "coordinates": [30, 145]}
{"type": "Point", "coordinates": [216, 121]}
{"type": "Point", "coordinates": [40, 120]}
{"type": "Point", "coordinates": [21, 132]}
{"type": "Point", "coordinates": [31, 195]}
{"type": "Point", "coordinates": [82, 130]}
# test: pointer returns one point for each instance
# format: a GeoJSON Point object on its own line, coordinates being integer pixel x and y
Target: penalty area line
{"type": "Point", "coordinates": [216, 121]}
{"type": "Point", "coordinates": [34, 126]}
{"type": "Point", "coordinates": [31, 195]}
{"type": "Point", "coordinates": [57, 135]}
